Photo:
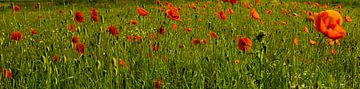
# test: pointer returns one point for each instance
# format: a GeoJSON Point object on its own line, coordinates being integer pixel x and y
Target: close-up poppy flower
{"type": "Point", "coordinates": [244, 44]}
{"type": "Point", "coordinates": [329, 23]}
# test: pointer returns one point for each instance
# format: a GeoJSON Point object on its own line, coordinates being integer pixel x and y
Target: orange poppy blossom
{"type": "Point", "coordinates": [312, 42]}
{"type": "Point", "coordinates": [222, 15]}
{"type": "Point", "coordinates": [196, 41]}
{"type": "Point", "coordinates": [244, 44]}
{"type": "Point", "coordinates": [254, 14]}
{"type": "Point", "coordinates": [333, 52]}
{"type": "Point", "coordinates": [330, 42]}
{"type": "Point", "coordinates": [33, 31]}
{"type": "Point", "coordinates": [329, 23]}
{"type": "Point", "coordinates": [173, 14]}
{"type": "Point", "coordinates": [306, 30]}
{"type": "Point", "coordinates": [142, 11]}
{"type": "Point", "coordinates": [174, 26]}
{"type": "Point", "coordinates": [230, 11]}
{"type": "Point", "coordinates": [311, 18]}
{"type": "Point", "coordinates": [296, 41]}
{"type": "Point", "coordinates": [213, 35]}
{"type": "Point", "coordinates": [134, 22]}
{"type": "Point", "coordinates": [348, 19]}
{"type": "Point", "coordinates": [79, 17]}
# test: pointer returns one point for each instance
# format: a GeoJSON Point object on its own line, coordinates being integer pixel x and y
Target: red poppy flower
{"type": "Point", "coordinates": [213, 35]}
{"type": "Point", "coordinates": [188, 29]}
{"type": "Point", "coordinates": [113, 30]}
{"type": "Point", "coordinates": [225, 0]}
{"type": "Point", "coordinates": [222, 15]}
{"type": "Point", "coordinates": [254, 14]}
{"type": "Point", "coordinates": [75, 39]}
{"type": "Point", "coordinates": [122, 63]}
{"type": "Point", "coordinates": [95, 18]}
{"type": "Point", "coordinates": [204, 41]}
{"type": "Point", "coordinates": [244, 43]}
{"type": "Point", "coordinates": [348, 19]}
{"type": "Point", "coordinates": [173, 14]}
{"type": "Point", "coordinates": [138, 39]}
{"type": "Point", "coordinates": [94, 12]}
{"type": "Point", "coordinates": [142, 11]}
{"type": "Point", "coordinates": [79, 17]}
{"type": "Point", "coordinates": [9, 74]}
{"type": "Point", "coordinates": [17, 35]}
{"type": "Point", "coordinates": [33, 31]}
{"type": "Point", "coordinates": [196, 41]}
{"type": "Point", "coordinates": [162, 30]}
{"type": "Point", "coordinates": [306, 30]}
{"type": "Point", "coordinates": [130, 38]}
{"type": "Point", "coordinates": [234, 1]}
{"type": "Point", "coordinates": [311, 18]}
{"type": "Point", "coordinates": [230, 11]}
{"type": "Point", "coordinates": [56, 58]}
{"type": "Point", "coordinates": [72, 28]}
{"type": "Point", "coordinates": [269, 12]}
{"type": "Point", "coordinates": [158, 84]}
{"type": "Point", "coordinates": [134, 22]}
{"type": "Point", "coordinates": [296, 41]}
{"type": "Point", "coordinates": [16, 8]}
{"type": "Point", "coordinates": [329, 23]}
{"type": "Point", "coordinates": [80, 47]}
{"type": "Point", "coordinates": [155, 47]}
{"type": "Point", "coordinates": [174, 26]}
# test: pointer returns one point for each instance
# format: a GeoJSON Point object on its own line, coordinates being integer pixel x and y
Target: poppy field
{"type": "Point", "coordinates": [232, 44]}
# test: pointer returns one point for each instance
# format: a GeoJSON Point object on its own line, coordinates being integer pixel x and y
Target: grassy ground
{"type": "Point", "coordinates": [273, 62]}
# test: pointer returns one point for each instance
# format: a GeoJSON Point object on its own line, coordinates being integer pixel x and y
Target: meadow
{"type": "Point", "coordinates": [180, 44]}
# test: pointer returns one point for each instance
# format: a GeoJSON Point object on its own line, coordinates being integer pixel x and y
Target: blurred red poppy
{"type": "Point", "coordinates": [234, 1]}
{"type": "Point", "coordinates": [17, 35]}
{"type": "Point", "coordinates": [122, 63]}
{"type": "Point", "coordinates": [244, 44]}
{"type": "Point", "coordinates": [33, 31]}
{"type": "Point", "coordinates": [296, 41]}
{"type": "Point", "coordinates": [306, 30]}
{"type": "Point", "coordinates": [213, 35]}
{"type": "Point", "coordinates": [255, 14]}
{"type": "Point", "coordinates": [225, 0]}
{"type": "Point", "coordinates": [134, 22]}
{"type": "Point", "coordinates": [230, 11]}
{"type": "Point", "coordinates": [9, 74]}
{"type": "Point", "coordinates": [173, 14]}
{"type": "Point", "coordinates": [94, 12]}
{"type": "Point", "coordinates": [188, 29]}
{"type": "Point", "coordinates": [79, 17]}
{"type": "Point", "coordinates": [16, 8]}
{"type": "Point", "coordinates": [72, 28]}
{"type": "Point", "coordinates": [158, 84]}
{"type": "Point", "coordinates": [95, 18]}
{"type": "Point", "coordinates": [222, 15]}
{"type": "Point", "coordinates": [311, 18]}
{"type": "Point", "coordinates": [174, 26]}
{"type": "Point", "coordinates": [113, 30]}
{"type": "Point", "coordinates": [162, 30]}
{"type": "Point", "coordinates": [80, 47]}
{"type": "Point", "coordinates": [75, 39]}
{"type": "Point", "coordinates": [142, 11]}
{"type": "Point", "coordinates": [348, 19]}
{"type": "Point", "coordinates": [56, 58]}
{"type": "Point", "coordinates": [196, 41]}
{"type": "Point", "coordinates": [204, 41]}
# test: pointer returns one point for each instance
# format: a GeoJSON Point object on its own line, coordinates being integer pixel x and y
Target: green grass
{"type": "Point", "coordinates": [273, 62]}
